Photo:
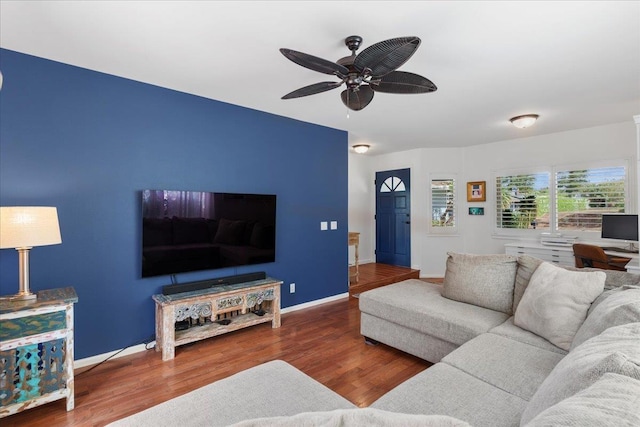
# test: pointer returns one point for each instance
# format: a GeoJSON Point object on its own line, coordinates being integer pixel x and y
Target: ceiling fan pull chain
{"type": "Point", "coordinates": [348, 104]}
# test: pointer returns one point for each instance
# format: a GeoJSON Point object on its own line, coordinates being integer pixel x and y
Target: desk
{"type": "Point", "coordinates": [354, 240]}
{"type": "Point", "coordinates": [561, 255]}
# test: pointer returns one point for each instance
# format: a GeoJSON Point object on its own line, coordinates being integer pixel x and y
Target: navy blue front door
{"type": "Point", "coordinates": [393, 221]}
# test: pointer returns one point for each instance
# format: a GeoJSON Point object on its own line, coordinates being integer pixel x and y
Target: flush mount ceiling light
{"type": "Point", "coordinates": [361, 148]}
{"type": "Point", "coordinates": [524, 121]}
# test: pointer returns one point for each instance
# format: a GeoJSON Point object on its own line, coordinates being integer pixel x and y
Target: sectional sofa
{"type": "Point", "coordinates": [515, 341]}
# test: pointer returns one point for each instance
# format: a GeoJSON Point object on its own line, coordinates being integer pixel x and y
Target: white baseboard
{"type": "Point", "coordinates": [94, 360]}
{"type": "Point", "coordinates": [314, 303]}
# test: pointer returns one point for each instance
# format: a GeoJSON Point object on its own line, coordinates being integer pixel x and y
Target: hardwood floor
{"type": "Point", "coordinates": [322, 341]}
{"type": "Point", "coordinates": [374, 275]}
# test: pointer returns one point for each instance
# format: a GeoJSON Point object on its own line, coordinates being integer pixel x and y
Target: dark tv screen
{"type": "Point", "coordinates": [621, 227]}
{"type": "Point", "coordinates": [186, 231]}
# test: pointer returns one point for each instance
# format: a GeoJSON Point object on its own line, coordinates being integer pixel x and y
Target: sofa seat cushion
{"type": "Point", "coordinates": [420, 305]}
{"type": "Point", "coordinates": [357, 418]}
{"type": "Point", "coordinates": [509, 365]}
{"type": "Point", "coordinates": [511, 331]}
{"type": "Point", "coordinates": [269, 390]}
{"type": "Point", "coordinates": [445, 390]}
{"type": "Point", "coordinates": [613, 400]}
{"type": "Point", "coordinates": [616, 350]}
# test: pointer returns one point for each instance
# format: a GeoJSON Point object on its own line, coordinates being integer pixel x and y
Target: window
{"type": "Point", "coordinates": [561, 199]}
{"type": "Point", "coordinates": [393, 183]}
{"type": "Point", "coordinates": [443, 211]}
{"type": "Point", "coordinates": [583, 195]}
{"type": "Point", "coordinates": [522, 201]}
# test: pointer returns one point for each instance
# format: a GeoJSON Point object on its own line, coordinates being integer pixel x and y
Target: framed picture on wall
{"type": "Point", "coordinates": [476, 191]}
{"type": "Point", "coordinates": [475, 210]}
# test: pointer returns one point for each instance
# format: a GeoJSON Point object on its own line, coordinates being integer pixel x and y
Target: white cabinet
{"type": "Point", "coordinates": [561, 255]}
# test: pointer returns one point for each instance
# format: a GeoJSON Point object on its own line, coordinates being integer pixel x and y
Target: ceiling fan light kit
{"type": "Point", "coordinates": [361, 148]}
{"type": "Point", "coordinates": [372, 70]}
{"type": "Point", "coordinates": [524, 121]}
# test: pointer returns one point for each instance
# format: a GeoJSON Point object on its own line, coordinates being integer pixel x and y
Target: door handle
{"type": "Point", "coordinates": [408, 222]}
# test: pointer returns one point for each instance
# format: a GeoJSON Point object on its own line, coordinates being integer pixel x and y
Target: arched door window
{"type": "Point", "coordinates": [392, 184]}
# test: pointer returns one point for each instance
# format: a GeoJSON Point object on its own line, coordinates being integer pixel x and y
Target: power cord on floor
{"type": "Point", "coordinates": [146, 343]}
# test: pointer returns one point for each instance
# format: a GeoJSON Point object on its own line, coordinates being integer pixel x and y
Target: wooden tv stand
{"type": "Point", "coordinates": [206, 312]}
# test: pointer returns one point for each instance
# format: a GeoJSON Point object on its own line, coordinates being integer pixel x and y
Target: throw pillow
{"type": "Point", "coordinates": [615, 350]}
{"type": "Point", "coordinates": [556, 302]}
{"type": "Point", "coordinates": [483, 280]}
{"type": "Point", "coordinates": [610, 401]}
{"type": "Point", "coordinates": [526, 266]}
{"type": "Point", "coordinates": [620, 308]}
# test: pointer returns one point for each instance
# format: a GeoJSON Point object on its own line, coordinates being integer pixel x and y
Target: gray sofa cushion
{"type": "Point", "coordinates": [445, 390]}
{"type": "Point", "coordinates": [268, 390]}
{"type": "Point", "coordinates": [526, 266]}
{"type": "Point", "coordinates": [407, 339]}
{"type": "Point", "coordinates": [511, 331]}
{"type": "Point", "coordinates": [512, 366]}
{"type": "Point", "coordinates": [613, 400]}
{"type": "Point", "coordinates": [556, 302]}
{"type": "Point", "coordinates": [357, 418]}
{"type": "Point", "coordinates": [483, 280]}
{"type": "Point", "coordinates": [621, 307]}
{"type": "Point", "coordinates": [616, 350]}
{"type": "Point", "coordinates": [419, 305]}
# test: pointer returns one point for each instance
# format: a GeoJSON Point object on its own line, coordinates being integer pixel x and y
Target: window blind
{"type": "Point", "coordinates": [443, 210]}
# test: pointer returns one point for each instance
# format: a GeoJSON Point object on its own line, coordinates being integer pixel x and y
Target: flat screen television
{"type": "Point", "coordinates": [185, 231]}
{"type": "Point", "coordinates": [620, 227]}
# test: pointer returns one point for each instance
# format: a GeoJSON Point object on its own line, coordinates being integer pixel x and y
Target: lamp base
{"type": "Point", "coordinates": [19, 297]}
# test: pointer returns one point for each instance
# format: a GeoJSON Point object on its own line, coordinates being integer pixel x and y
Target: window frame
{"type": "Point", "coordinates": [552, 170]}
{"type": "Point", "coordinates": [440, 230]}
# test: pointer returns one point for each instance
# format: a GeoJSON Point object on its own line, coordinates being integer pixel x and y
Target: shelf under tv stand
{"type": "Point", "coordinates": [205, 311]}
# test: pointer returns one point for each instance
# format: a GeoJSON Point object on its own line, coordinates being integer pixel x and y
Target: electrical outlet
{"type": "Point", "coordinates": [292, 288]}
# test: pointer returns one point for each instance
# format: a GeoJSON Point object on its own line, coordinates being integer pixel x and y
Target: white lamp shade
{"type": "Point", "coordinates": [28, 226]}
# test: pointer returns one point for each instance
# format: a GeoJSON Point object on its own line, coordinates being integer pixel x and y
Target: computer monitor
{"type": "Point", "coordinates": [620, 227]}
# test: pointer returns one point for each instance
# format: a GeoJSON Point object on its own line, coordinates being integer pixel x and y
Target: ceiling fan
{"type": "Point", "coordinates": [372, 70]}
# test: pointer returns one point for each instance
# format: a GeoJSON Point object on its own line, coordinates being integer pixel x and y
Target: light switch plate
{"type": "Point", "coordinates": [334, 225]}
{"type": "Point", "coordinates": [323, 225]}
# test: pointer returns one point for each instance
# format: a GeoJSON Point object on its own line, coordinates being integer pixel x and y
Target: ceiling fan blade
{"type": "Point", "coordinates": [357, 100]}
{"type": "Point", "coordinates": [403, 82]}
{"type": "Point", "coordinates": [314, 63]}
{"type": "Point", "coordinates": [312, 89]}
{"type": "Point", "coordinates": [387, 56]}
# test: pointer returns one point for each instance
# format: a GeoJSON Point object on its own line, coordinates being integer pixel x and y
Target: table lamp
{"type": "Point", "coordinates": [22, 228]}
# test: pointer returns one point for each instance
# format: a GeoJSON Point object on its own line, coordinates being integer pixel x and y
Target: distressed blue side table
{"type": "Point", "coordinates": [36, 351]}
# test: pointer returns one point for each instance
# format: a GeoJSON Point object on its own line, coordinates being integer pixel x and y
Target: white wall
{"type": "Point", "coordinates": [360, 215]}
{"type": "Point", "coordinates": [476, 163]}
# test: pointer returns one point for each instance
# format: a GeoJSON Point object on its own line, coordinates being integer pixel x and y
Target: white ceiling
{"type": "Point", "coordinates": [575, 63]}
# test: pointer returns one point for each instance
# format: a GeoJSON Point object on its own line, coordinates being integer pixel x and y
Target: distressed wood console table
{"type": "Point", "coordinates": [215, 311]}
{"type": "Point", "coordinates": [36, 351]}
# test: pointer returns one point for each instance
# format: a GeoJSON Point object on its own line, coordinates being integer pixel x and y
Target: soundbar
{"type": "Point", "coordinates": [212, 283]}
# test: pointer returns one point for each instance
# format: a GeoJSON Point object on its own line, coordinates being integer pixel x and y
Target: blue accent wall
{"type": "Point", "coordinates": [88, 143]}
